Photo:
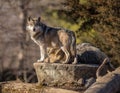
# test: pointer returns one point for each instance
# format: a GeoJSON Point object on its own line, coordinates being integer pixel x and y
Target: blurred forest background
{"type": "Point", "coordinates": [93, 21]}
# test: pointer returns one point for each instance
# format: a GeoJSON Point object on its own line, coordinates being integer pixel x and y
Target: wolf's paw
{"type": "Point", "coordinates": [75, 61]}
{"type": "Point", "coordinates": [40, 61]}
{"type": "Point", "coordinates": [65, 62]}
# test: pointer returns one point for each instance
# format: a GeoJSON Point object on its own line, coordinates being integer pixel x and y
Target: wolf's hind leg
{"type": "Point", "coordinates": [75, 60]}
{"type": "Point", "coordinates": [67, 55]}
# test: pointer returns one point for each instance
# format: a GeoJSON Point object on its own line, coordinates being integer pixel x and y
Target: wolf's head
{"type": "Point", "coordinates": [34, 25]}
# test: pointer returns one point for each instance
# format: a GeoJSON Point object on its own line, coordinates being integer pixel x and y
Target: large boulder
{"type": "Point", "coordinates": [88, 54]}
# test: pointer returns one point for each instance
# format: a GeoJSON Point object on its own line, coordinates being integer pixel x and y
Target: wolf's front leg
{"type": "Point", "coordinates": [43, 53]}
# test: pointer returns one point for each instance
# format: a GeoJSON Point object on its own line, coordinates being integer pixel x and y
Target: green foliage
{"type": "Point", "coordinates": [94, 21]}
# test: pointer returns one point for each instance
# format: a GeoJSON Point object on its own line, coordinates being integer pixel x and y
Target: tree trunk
{"type": "Point", "coordinates": [24, 42]}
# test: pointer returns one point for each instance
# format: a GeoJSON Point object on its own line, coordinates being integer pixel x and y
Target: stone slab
{"type": "Point", "coordinates": [63, 74]}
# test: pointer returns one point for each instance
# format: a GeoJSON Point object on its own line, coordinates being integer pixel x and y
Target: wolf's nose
{"type": "Point", "coordinates": [33, 29]}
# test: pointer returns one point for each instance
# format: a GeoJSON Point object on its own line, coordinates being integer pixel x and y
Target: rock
{"type": "Point", "coordinates": [63, 74]}
{"type": "Point", "coordinates": [81, 81]}
{"type": "Point", "coordinates": [89, 82]}
{"type": "Point", "coordinates": [88, 54]}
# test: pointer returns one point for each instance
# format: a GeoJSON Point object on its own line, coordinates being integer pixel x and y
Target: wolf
{"type": "Point", "coordinates": [48, 38]}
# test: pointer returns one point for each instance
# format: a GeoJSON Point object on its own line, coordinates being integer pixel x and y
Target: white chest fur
{"type": "Point", "coordinates": [35, 40]}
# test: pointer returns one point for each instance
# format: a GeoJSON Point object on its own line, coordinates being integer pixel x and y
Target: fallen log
{"type": "Point", "coordinates": [19, 87]}
{"type": "Point", "coordinates": [110, 83]}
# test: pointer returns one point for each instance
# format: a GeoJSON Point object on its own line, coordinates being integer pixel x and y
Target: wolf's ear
{"type": "Point", "coordinates": [39, 18]}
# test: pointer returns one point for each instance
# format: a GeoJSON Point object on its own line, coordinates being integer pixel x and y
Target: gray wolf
{"type": "Point", "coordinates": [48, 38]}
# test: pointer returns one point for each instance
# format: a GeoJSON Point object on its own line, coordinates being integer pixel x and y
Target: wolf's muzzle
{"type": "Point", "coordinates": [33, 29]}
